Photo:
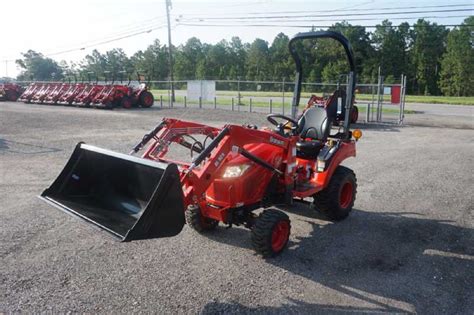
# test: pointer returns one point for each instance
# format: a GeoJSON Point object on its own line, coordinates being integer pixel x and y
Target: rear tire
{"type": "Point", "coordinates": [146, 99]}
{"type": "Point", "coordinates": [337, 199]}
{"type": "Point", "coordinates": [354, 114]}
{"type": "Point", "coordinates": [196, 221]}
{"type": "Point", "coordinates": [271, 232]}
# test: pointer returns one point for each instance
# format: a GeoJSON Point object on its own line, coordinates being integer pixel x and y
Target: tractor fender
{"type": "Point", "coordinates": [344, 151]}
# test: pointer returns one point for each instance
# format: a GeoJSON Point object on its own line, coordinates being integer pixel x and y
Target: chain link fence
{"type": "Point", "coordinates": [377, 102]}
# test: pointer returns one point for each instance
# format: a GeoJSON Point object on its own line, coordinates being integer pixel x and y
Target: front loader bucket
{"type": "Point", "coordinates": [130, 197]}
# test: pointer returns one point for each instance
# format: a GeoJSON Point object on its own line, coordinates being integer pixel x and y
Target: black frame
{"type": "Point", "coordinates": [299, 71]}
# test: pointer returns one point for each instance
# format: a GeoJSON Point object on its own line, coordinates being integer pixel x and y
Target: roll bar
{"type": "Point", "coordinates": [299, 69]}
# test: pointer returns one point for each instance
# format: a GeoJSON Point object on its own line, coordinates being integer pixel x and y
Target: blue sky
{"type": "Point", "coordinates": [52, 26]}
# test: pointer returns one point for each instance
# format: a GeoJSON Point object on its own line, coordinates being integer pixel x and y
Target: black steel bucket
{"type": "Point", "coordinates": [130, 197]}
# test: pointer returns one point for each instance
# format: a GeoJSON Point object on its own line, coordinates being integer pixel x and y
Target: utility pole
{"type": "Point", "coordinates": [170, 55]}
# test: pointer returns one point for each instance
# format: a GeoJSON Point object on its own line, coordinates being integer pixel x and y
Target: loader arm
{"type": "Point", "coordinates": [168, 131]}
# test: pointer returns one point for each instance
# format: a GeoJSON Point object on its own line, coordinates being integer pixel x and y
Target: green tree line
{"type": "Point", "coordinates": [436, 60]}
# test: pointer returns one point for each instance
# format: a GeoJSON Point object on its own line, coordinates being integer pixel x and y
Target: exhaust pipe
{"type": "Point", "coordinates": [130, 197]}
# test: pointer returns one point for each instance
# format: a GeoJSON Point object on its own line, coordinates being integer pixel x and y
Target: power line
{"type": "Point", "coordinates": [243, 4]}
{"type": "Point", "coordinates": [101, 42]}
{"type": "Point", "coordinates": [349, 9]}
{"type": "Point", "coordinates": [358, 19]}
{"type": "Point", "coordinates": [105, 40]}
{"type": "Point", "coordinates": [129, 29]}
{"type": "Point", "coordinates": [323, 15]}
{"type": "Point", "coordinates": [315, 26]}
{"type": "Point", "coordinates": [354, 6]}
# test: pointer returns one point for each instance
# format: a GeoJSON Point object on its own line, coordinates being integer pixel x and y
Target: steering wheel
{"type": "Point", "coordinates": [281, 126]}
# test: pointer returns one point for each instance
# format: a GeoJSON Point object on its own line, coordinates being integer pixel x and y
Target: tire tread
{"type": "Point", "coordinates": [194, 220]}
{"type": "Point", "coordinates": [263, 228]}
{"type": "Point", "coordinates": [327, 200]}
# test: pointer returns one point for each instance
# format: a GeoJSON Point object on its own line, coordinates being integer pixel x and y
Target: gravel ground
{"type": "Point", "coordinates": [406, 248]}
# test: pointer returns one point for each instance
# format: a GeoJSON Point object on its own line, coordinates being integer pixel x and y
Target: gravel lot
{"type": "Point", "coordinates": [406, 248]}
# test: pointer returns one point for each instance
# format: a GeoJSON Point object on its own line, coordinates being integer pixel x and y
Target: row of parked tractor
{"type": "Point", "coordinates": [90, 94]}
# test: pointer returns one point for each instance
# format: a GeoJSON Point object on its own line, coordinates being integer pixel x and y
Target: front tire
{"type": "Point", "coordinates": [11, 96]}
{"type": "Point", "coordinates": [337, 199]}
{"type": "Point", "coordinates": [126, 102]}
{"type": "Point", "coordinates": [271, 232]}
{"type": "Point", "coordinates": [197, 221]}
{"type": "Point", "coordinates": [109, 105]}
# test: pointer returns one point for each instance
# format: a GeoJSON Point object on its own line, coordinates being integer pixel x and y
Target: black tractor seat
{"type": "Point", "coordinates": [314, 127]}
{"type": "Point", "coordinates": [308, 150]}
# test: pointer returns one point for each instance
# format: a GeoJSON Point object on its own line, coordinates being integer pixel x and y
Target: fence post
{"type": "Point", "coordinates": [271, 106]}
{"type": "Point", "coordinates": [200, 102]}
{"type": "Point", "coordinates": [381, 98]}
{"type": "Point", "coordinates": [232, 104]}
{"type": "Point", "coordinates": [170, 94]}
{"type": "Point", "coordinates": [369, 113]}
{"type": "Point", "coordinates": [185, 102]}
{"type": "Point", "coordinates": [238, 93]}
{"type": "Point", "coordinates": [169, 98]}
{"type": "Point", "coordinates": [283, 96]}
{"type": "Point", "coordinates": [215, 102]}
{"type": "Point", "coordinates": [161, 100]}
{"type": "Point", "coordinates": [379, 84]}
{"type": "Point", "coordinates": [404, 96]}
{"type": "Point", "coordinates": [250, 104]}
{"type": "Point", "coordinates": [402, 99]}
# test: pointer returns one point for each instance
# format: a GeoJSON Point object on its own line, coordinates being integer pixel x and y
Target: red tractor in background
{"type": "Point", "coordinates": [41, 94]}
{"type": "Point", "coordinates": [29, 92]}
{"type": "Point", "coordinates": [335, 104]}
{"type": "Point", "coordinates": [10, 92]}
{"type": "Point", "coordinates": [68, 96]}
{"type": "Point", "coordinates": [113, 95]}
{"type": "Point", "coordinates": [237, 170]}
{"type": "Point", "coordinates": [141, 95]}
{"type": "Point", "coordinates": [32, 91]}
{"type": "Point", "coordinates": [85, 97]}
{"type": "Point", "coordinates": [53, 97]}
{"type": "Point", "coordinates": [89, 91]}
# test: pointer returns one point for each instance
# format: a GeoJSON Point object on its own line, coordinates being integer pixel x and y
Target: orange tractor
{"type": "Point", "coordinates": [236, 170]}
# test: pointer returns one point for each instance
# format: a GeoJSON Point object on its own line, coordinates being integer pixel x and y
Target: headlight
{"type": "Point", "coordinates": [235, 170]}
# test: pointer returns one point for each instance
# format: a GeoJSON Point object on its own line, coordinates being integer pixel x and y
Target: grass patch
{"type": "Point", "coordinates": [223, 101]}
{"type": "Point", "coordinates": [256, 103]}
{"type": "Point", "coordinates": [451, 100]}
